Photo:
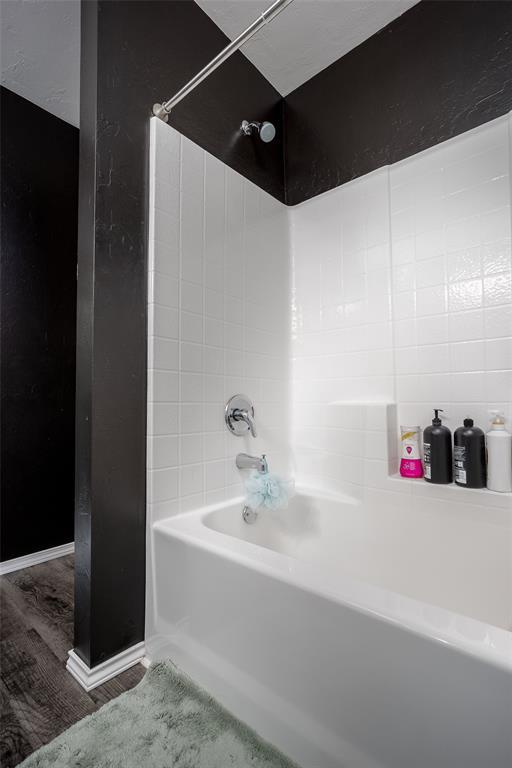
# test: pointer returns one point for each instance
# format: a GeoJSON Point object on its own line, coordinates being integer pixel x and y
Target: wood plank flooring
{"type": "Point", "coordinates": [38, 698]}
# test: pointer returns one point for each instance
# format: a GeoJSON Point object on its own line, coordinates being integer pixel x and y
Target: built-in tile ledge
{"type": "Point", "coordinates": [451, 491]}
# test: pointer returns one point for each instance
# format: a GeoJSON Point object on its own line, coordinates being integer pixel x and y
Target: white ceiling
{"type": "Point", "coordinates": [306, 37]}
{"type": "Point", "coordinates": [40, 53]}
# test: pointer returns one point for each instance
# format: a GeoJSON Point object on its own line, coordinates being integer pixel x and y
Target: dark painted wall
{"type": "Point", "coordinates": [39, 191]}
{"type": "Point", "coordinates": [438, 70]}
{"type": "Point", "coordinates": [133, 54]}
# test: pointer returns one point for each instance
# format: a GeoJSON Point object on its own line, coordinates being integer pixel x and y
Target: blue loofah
{"type": "Point", "coordinates": [266, 490]}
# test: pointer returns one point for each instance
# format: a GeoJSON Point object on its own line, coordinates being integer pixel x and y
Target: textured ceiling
{"type": "Point", "coordinates": [40, 53]}
{"type": "Point", "coordinates": [307, 36]}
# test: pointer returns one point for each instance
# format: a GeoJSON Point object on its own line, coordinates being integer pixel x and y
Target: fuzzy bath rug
{"type": "Point", "coordinates": [166, 721]}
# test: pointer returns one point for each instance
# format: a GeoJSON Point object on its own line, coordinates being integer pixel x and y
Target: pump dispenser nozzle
{"type": "Point", "coordinates": [436, 420]}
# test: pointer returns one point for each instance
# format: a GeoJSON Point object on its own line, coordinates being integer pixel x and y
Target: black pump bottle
{"type": "Point", "coordinates": [437, 447]}
{"type": "Point", "coordinates": [469, 461]}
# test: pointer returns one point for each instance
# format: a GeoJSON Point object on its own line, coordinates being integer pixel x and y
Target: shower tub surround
{"type": "Point", "coordinates": [400, 301]}
{"type": "Point", "coordinates": [219, 322]}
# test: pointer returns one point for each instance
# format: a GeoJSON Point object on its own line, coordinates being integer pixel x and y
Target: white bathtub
{"type": "Point", "coordinates": [354, 635]}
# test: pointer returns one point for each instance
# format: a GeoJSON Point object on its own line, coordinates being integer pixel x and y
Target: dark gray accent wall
{"type": "Point", "coordinates": [133, 54]}
{"type": "Point", "coordinates": [39, 210]}
{"type": "Point", "coordinates": [438, 70]}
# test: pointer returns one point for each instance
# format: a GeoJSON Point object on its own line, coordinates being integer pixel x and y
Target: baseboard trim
{"type": "Point", "coordinates": [91, 678]}
{"type": "Point", "coordinates": [26, 561]}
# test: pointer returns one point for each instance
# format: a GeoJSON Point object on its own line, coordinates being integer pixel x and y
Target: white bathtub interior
{"type": "Point", "coordinates": [433, 552]}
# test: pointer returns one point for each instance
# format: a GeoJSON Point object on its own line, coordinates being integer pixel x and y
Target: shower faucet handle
{"type": "Point", "coordinates": [239, 416]}
{"type": "Point", "coordinates": [245, 416]}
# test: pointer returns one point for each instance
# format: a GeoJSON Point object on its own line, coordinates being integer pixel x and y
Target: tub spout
{"type": "Point", "coordinates": [244, 461]}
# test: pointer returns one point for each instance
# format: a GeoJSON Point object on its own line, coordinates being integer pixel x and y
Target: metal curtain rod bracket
{"type": "Point", "coordinates": [162, 110]}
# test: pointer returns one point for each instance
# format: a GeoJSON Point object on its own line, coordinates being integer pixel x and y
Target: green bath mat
{"type": "Point", "coordinates": [164, 722]}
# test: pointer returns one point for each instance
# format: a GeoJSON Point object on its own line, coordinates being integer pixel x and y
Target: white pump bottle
{"type": "Point", "coordinates": [499, 455]}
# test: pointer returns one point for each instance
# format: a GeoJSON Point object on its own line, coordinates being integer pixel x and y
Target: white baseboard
{"type": "Point", "coordinates": [91, 678]}
{"type": "Point", "coordinates": [26, 561]}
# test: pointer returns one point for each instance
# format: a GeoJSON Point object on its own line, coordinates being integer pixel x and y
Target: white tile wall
{"type": "Point", "coordinates": [218, 323]}
{"type": "Point", "coordinates": [455, 334]}
{"type": "Point", "coordinates": [342, 334]}
{"type": "Point", "coordinates": [402, 292]}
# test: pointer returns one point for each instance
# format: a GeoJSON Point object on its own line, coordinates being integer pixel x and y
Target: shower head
{"type": "Point", "coordinates": [266, 131]}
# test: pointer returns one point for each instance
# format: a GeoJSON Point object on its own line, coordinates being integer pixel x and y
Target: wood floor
{"type": "Point", "coordinates": [38, 698]}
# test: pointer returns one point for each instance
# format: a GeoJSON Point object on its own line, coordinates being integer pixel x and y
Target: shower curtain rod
{"type": "Point", "coordinates": [162, 110]}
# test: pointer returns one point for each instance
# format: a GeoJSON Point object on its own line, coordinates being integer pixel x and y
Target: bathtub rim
{"type": "Point", "coordinates": [475, 638]}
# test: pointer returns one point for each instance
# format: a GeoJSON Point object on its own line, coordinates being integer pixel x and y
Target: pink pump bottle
{"type": "Point", "coordinates": [410, 463]}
